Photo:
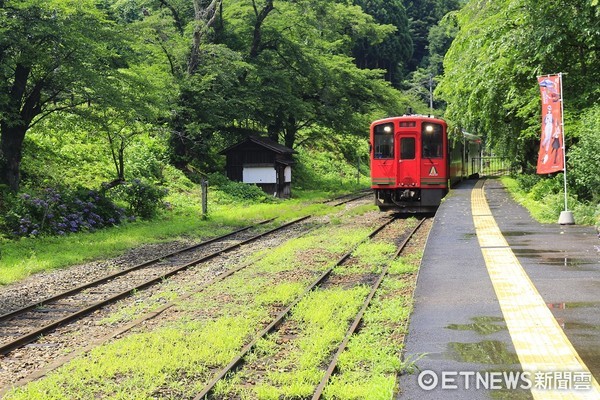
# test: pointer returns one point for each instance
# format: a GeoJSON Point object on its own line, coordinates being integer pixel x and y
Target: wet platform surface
{"type": "Point", "coordinates": [458, 328]}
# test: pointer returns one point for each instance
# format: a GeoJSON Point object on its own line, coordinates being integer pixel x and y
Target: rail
{"type": "Point", "coordinates": [34, 334]}
{"type": "Point", "coordinates": [358, 319]}
{"type": "Point", "coordinates": [281, 317]}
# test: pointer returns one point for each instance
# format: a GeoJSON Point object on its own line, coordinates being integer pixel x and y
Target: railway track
{"type": "Point", "coordinates": [322, 280]}
{"type": "Point", "coordinates": [347, 198]}
{"type": "Point", "coordinates": [331, 368]}
{"type": "Point", "coordinates": [27, 324]}
{"type": "Point", "coordinates": [71, 340]}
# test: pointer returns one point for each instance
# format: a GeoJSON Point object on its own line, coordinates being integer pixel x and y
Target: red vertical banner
{"type": "Point", "coordinates": [551, 155]}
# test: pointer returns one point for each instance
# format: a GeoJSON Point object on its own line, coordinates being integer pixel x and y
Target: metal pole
{"type": "Point", "coordinates": [566, 217]}
{"type": "Point", "coordinates": [562, 127]}
{"type": "Point", "coordinates": [431, 93]}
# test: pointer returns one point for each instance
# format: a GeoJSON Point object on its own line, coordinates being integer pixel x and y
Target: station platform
{"type": "Point", "coordinates": [505, 307]}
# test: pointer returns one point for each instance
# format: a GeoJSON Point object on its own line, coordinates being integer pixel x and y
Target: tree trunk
{"type": "Point", "coordinates": [257, 35]}
{"type": "Point", "coordinates": [290, 132]}
{"type": "Point", "coordinates": [175, 14]}
{"type": "Point", "coordinates": [204, 18]}
{"type": "Point", "coordinates": [11, 152]}
{"type": "Point", "coordinates": [18, 114]}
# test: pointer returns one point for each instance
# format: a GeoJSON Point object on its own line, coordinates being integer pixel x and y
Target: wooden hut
{"type": "Point", "coordinates": [261, 161]}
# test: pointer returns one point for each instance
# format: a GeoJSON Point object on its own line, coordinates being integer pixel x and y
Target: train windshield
{"type": "Point", "coordinates": [383, 141]}
{"type": "Point", "coordinates": [432, 140]}
{"type": "Point", "coordinates": [407, 148]}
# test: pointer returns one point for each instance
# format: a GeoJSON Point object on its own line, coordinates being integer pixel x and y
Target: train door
{"type": "Point", "coordinates": [408, 166]}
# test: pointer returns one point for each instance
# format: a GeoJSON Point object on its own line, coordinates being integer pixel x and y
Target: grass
{"type": "Point", "coordinates": [539, 210]}
{"type": "Point", "coordinates": [545, 206]}
{"type": "Point", "coordinates": [321, 319]}
{"type": "Point", "coordinates": [144, 364]}
{"type": "Point", "coordinates": [176, 359]}
{"type": "Point", "coordinates": [368, 367]}
{"type": "Point", "coordinates": [27, 256]}
{"type": "Point", "coordinates": [373, 255]}
{"type": "Point", "coordinates": [287, 257]}
{"type": "Point", "coordinates": [139, 307]}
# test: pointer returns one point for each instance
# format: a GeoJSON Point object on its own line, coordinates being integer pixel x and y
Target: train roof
{"type": "Point", "coordinates": [410, 117]}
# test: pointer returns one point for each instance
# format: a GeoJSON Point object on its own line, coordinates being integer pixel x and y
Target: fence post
{"type": "Point", "coordinates": [204, 186]}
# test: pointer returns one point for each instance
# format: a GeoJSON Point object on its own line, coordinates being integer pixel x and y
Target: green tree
{"type": "Point", "coordinates": [54, 54]}
{"type": "Point", "coordinates": [277, 68]}
{"type": "Point", "coordinates": [584, 157]}
{"type": "Point", "coordinates": [423, 15]}
{"type": "Point", "coordinates": [424, 79]}
{"type": "Point", "coordinates": [395, 51]}
{"type": "Point", "coordinates": [490, 70]}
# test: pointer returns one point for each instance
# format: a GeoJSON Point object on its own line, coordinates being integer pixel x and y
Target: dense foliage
{"type": "Point", "coordinates": [107, 92]}
{"type": "Point", "coordinates": [490, 81]}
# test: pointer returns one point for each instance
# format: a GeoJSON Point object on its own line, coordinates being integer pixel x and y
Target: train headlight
{"type": "Point", "coordinates": [428, 128]}
{"type": "Point", "coordinates": [387, 129]}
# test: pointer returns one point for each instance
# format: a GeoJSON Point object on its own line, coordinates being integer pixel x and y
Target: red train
{"type": "Point", "coordinates": [413, 162]}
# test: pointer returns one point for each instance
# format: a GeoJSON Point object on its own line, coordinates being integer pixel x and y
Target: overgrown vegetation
{"type": "Point", "coordinates": [186, 350]}
{"type": "Point", "coordinates": [491, 89]}
{"type": "Point", "coordinates": [544, 198]}
{"type": "Point", "coordinates": [161, 83]}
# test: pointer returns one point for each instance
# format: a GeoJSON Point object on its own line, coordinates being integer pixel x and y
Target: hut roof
{"type": "Point", "coordinates": [264, 142]}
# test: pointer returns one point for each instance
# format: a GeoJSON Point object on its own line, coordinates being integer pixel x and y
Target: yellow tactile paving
{"type": "Point", "coordinates": [542, 347]}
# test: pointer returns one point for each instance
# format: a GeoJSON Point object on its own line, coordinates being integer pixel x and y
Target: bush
{"type": "Point", "coordinates": [58, 212]}
{"type": "Point", "coordinates": [546, 187]}
{"type": "Point", "coordinates": [239, 190]}
{"type": "Point", "coordinates": [527, 181]}
{"type": "Point", "coordinates": [144, 199]}
{"type": "Point", "coordinates": [328, 171]}
{"type": "Point", "coordinates": [584, 156]}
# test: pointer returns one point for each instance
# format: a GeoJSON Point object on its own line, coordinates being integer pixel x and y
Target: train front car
{"type": "Point", "coordinates": [409, 163]}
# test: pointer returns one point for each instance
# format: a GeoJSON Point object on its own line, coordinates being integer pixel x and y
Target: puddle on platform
{"type": "Point", "coordinates": [558, 258]}
{"type": "Point", "coordinates": [569, 262]}
{"type": "Point", "coordinates": [591, 359]}
{"type": "Point", "coordinates": [484, 352]}
{"type": "Point", "coordinates": [505, 394]}
{"type": "Point", "coordinates": [481, 325]}
{"type": "Point", "coordinates": [516, 233]}
{"type": "Point", "coordinates": [579, 326]}
{"type": "Point", "coordinates": [584, 336]}
{"type": "Point", "coordinates": [527, 252]}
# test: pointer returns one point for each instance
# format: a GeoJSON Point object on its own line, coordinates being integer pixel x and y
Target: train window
{"type": "Point", "coordinates": [432, 141]}
{"type": "Point", "coordinates": [383, 138]}
{"type": "Point", "coordinates": [407, 148]}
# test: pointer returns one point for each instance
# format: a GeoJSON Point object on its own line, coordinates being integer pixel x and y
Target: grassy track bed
{"type": "Point", "coordinates": [290, 362]}
{"type": "Point", "coordinates": [72, 339]}
{"type": "Point", "coordinates": [22, 258]}
{"type": "Point", "coordinates": [175, 355]}
{"type": "Point", "coordinates": [370, 365]}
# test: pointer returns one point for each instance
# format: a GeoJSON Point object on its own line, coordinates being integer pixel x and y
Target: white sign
{"type": "Point", "coordinates": [259, 175]}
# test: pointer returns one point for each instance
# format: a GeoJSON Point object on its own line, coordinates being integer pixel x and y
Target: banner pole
{"type": "Point", "coordinates": [562, 125]}
{"type": "Point", "coordinates": [566, 217]}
